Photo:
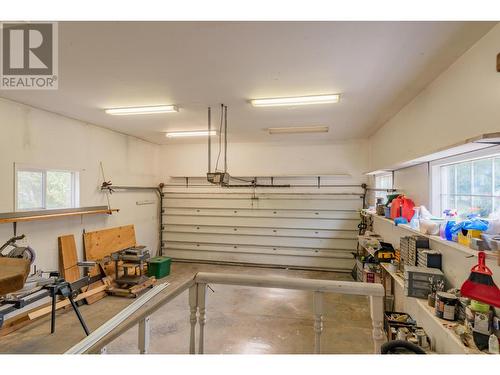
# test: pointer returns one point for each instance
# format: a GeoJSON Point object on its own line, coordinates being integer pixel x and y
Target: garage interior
{"type": "Point", "coordinates": [253, 188]}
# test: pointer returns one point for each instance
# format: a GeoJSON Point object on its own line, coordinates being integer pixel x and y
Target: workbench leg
{"type": "Point", "coordinates": [144, 334]}
{"type": "Point", "coordinates": [318, 320]}
{"type": "Point", "coordinates": [202, 293]}
{"type": "Point", "coordinates": [193, 307]}
{"type": "Point", "coordinates": [377, 315]}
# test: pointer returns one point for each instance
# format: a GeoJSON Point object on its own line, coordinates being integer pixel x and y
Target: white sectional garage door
{"type": "Point", "coordinates": [302, 226]}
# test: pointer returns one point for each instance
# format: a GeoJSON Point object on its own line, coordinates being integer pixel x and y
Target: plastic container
{"type": "Point", "coordinates": [159, 267]}
{"type": "Point", "coordinates": [479, 306]}
{"type": "Point", "coordinates": [493, 345]}
{"type": "Point", "coordinates": [387, 212]}
{"type": "Point", "coordinates": [414, 222]}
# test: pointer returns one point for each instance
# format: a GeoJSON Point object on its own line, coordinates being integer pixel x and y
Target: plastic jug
{"type": "Point", "coordinates": [415, 220]}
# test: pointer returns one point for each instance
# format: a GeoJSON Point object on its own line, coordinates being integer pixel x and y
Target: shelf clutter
{"type": "Point", "coordinates": [420, 304]}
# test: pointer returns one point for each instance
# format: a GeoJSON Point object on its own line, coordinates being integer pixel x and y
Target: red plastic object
{"type": "Point", "coordinates": [407, 210]}
{"type": "Point", "coordinates": [402, 206]}
{"type": "Point", "coordinates": [396, 207]}
{"type": "Point", "coordinates": [480, 285]}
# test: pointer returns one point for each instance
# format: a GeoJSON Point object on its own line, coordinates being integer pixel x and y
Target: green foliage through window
{"type": "Point", "coordinates": [471, 187]}
{"type": "Point", "coordinates": [46, 189]}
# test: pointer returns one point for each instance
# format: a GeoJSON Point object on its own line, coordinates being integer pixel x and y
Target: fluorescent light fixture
{"type": "Point", "coordinates": [142, 110]}
{"type": "Point", "coordinates": [299, 129]}
{"type": "Point", "coordinates": [297, 100]}
{"type": "Point", "coordinates": [197, 133]}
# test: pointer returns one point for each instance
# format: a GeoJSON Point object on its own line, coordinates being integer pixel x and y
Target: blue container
{"type": "Point", "coordinates": [387, 212]}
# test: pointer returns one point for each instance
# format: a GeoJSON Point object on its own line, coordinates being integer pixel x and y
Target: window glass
{"type": "Point", "coordinates": [482, 180]}
{"type": "Point", "coordinates": [464, 205]}
{"type": "Point", "coordinates": [39, 189]}
{"type": "Point", "coordinates": [29, 190]}
{"type": "Point", "coordinates": [448, 180]}
{"type": "Point", "coordinates": [497, 176]}
{"type": "Point", "coordinates": [471, 187]}
{"type": "Point", "coordinates": [59, 189]}
{"type": "Point", "coordinates": [383, 182]}
{"type": "Point", "coordinates": [464, 174]}
{"type": "Point", "coordinates": [482, 206]}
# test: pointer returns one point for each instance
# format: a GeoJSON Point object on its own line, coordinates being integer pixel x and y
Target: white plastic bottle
{"type": "Point", "coordinates": [493, 345]}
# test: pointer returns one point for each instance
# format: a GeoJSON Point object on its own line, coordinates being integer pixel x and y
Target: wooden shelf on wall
{"type": "Point", "coordinates": [17, 217]}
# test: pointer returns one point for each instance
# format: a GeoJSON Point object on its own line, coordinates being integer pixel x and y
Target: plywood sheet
{"type": "Point", "coordinates": [100, 244]}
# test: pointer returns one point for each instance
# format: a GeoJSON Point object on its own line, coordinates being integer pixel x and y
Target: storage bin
{"type": "Point", "coordinates": [464, 236]}
{"type": "Point", "coordinates": [391, 321]}
{"type": "Point", "coordinates": [159, 267]}
{"type": "Point", "coordinates": [418, 280]}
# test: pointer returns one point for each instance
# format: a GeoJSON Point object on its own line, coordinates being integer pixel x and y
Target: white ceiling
{"type": "Point", "coordinates": [377, 66]}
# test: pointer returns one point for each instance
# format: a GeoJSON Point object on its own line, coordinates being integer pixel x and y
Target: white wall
{"type": "Point", "coordinates": [414, 182]}
{"type": "Point", "coordinates": [264, 159]}
{"type": "Point", "coordinates": [42, 138]}
{"type": "Point", "coordinates": [461, 103]}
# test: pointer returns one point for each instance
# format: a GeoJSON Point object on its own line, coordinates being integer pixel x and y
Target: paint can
{"type": "Point", "coordinates": [422, 340]}
{"type": "Point", "coordinates": [446, 304]}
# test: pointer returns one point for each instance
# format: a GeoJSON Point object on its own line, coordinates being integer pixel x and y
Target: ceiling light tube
{"type": "Point", "coordinates": [299, 129]}
{"type": "Point", "coordinates": [297, 100]}
{"type": "Point", "coordinates": [142, 110]}
{"type": "Point", "coordinates": [197, 133]}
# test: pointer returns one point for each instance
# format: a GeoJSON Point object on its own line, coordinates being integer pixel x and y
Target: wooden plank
{"type": "Point", "coordinates": [133, 291]}
{"type": "Point", "coordinates": [92, 298]}
{"type": "Point", "coordinates": [18, 321]}
{"type": "Point", "coordinates": [100, 244]}
{"type": "Point", "coordinates": [68, 258]}
{"type": "Point", "coordinates": [55, 215]}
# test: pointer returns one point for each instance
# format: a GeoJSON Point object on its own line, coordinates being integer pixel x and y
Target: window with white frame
{"type": "Point", "coordinates": [470, 184]}
{"type": "Point", "coordinates": [40, 189]}
{"type": "Point", "coordinates": [382, 181]}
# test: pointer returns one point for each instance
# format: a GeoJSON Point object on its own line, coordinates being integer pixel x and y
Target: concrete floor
{"type": "Point", "coordinates": [240, 320]}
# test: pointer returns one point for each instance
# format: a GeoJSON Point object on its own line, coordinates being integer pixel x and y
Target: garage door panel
{"type": "Point", "coordinates": [262, 231]}
{"type": "Point", "coordinates": [255, 249]}
{"type": "Point", "coordinates": [333, 243]}
{"type": "Point", "coordinates": [278, 260]}
{"type": "Point", "coordinates": [305, 213]}
{"type": "Point", "coordinates": [314, 229]}
{"type": "Point", "coordinates": [305, 203]}
{"type": "Point", "coordinates": [267, 222]}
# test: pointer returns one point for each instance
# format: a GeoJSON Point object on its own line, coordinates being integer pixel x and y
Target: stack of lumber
{"type": "Point", "coordinates": [101, 243]}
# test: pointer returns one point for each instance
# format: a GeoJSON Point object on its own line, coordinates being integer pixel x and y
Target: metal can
{"type": "Point", "coordinates": [446, 306]}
